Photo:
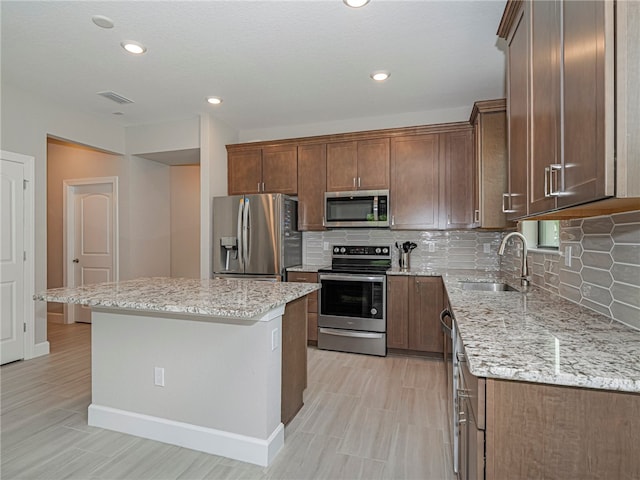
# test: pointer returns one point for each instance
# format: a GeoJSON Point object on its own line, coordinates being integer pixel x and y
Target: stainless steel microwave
{"type": "Point", "coordinates": [360, 208]}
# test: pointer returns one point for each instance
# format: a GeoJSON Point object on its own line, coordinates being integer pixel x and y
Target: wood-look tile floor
{"type": "Point", "coordinates": [364, 418]}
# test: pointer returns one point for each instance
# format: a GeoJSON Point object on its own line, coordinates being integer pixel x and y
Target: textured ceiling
{"type": "Point", "coordinates": [275, 63]}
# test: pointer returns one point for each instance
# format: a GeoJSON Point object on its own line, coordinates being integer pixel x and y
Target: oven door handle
{"type": "Point", "coordinates": [352, 278]}
{"type": "Point", "coordinates": [445, 328]}
{"type": "Point", "coordinates": [350, 333]}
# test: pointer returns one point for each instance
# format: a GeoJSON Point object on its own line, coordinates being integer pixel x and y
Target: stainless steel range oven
{"type": "Point", "coordinates": [353, 300]}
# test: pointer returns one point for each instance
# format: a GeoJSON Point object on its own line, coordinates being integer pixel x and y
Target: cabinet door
{"type": "Point", "coordinates": [280, 169]}
{"type": "Point", "coordinates": [312, 304]}
{"type": "Point", "coordinates": [244, 171]}
{"type": "Point", "coordinates": [397, 311]}
{"type": "Point", "coordinates": [312, 183]}
{"type": "Point", "coordinates": [342, 166]}
{"type": "Point", "coordinates": [545, 104]}
{"type": "Point", "coordinates": [415, 178]}
{"type": "Point", "coordinates": [373, 164]}
{"type": "Point", "coordinates": [493, 159]}
{"type": "Point", "coordinates": [425, 304]}
{"type": "Point", "coordinates": [584, 103]}
{"type": "Point", "coordinates": [458, 192]}
{"type": "Point", "coordinates": [516, 203]}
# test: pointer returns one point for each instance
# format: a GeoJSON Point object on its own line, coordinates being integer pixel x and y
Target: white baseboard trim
{"type": "Point", "coordinates": [40, 349]}
{"type": "Point", "coordinates": [208, 440]}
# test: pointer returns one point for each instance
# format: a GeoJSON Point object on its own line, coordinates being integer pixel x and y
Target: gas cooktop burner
{"type": "Point", "coordinates": [360, 259]}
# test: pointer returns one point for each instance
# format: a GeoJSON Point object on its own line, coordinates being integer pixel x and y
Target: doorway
{"type": "Point", "coordinates": [90, 241]}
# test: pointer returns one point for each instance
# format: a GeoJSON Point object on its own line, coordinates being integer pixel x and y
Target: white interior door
{"type": "Point", "coordinates": [91, 232]}
{"type": "Point", "coordinates": [12, 275]}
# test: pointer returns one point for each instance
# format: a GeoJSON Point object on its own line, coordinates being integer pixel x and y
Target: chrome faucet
{"type": "Point", "coordinates": [524, 280]}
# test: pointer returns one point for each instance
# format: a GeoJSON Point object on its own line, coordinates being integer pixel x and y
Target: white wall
{"type": "Point", "coordinates": [163, 137]}
{"type": "Point", "coordinates": [185, 221]}
{"type": "Point", "coordinates": [214, 135]}
{"type": "Point", "coordinates": [25, 123]}
{"type": "Point", "coordinates": [149, 218]}
{"type": "Point", "coordinates": [460, 114]}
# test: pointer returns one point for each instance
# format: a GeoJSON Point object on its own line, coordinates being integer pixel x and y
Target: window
{"type": "Point", "coordinates": [542, 234]}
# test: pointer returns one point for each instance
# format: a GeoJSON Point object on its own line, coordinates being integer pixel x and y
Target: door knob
{"type": "Point", "coordinates": [75, 260]}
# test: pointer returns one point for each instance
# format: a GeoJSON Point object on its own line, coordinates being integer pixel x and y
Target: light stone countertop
{"type": "Point", "coordinates": [536, 336]}
{"type": "Point", "coordinates": [229, 298]}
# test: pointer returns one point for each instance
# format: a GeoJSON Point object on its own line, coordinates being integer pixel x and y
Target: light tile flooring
{"type": "Point", "coordinates": [364, 418]}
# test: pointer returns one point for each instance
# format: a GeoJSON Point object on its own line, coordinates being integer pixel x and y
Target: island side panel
{"type": "Point", "coordinates": [219, 375]}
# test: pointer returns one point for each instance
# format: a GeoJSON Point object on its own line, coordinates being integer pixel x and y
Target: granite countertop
{"type": "Point", "coordinates": [536, 336]}
{"type": "Point", "coordinates": [306, 268]}
{"type": "Point", "coordinates": [230, 298]}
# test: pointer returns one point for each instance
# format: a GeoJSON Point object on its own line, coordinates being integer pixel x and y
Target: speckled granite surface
{"type": "Point", "coordinates": [540, 337]}
{"type": "Point", "coordinates": [232, 298]}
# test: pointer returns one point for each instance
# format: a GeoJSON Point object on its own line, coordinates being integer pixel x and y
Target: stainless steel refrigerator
{"type": "Point", "coordinates": [256, 236]}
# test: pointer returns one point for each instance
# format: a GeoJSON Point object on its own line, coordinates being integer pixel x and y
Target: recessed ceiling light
{"type": "Point", "coordinates": [355, 3]}
{"type": "Point", "coordinates": [102, 21]}
{"type": "Point", "coordinates": [133, 47]}
{"type": "Point", "coordinates": [380, 76]}
{"type": "Point", "coordinates": [214, 100]}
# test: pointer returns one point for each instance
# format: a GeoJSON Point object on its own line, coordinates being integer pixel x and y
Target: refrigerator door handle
{"type": "Point", "coordinates": [239, 233]}
{"type": "Point", "coordinates": [246, 225]}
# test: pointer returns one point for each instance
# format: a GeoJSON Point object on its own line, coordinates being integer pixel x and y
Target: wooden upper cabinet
{"type": "Point", "coordinates": [489, 121]}
{"type": "Point", "coordinates": [342, 166]}
{"type": "Point", "coordinates": [545, 159]}
{"type": "Point", "coordinates": [373, 164]}
{"type": "Point", "coordinates": [270, 169]}
{"type": "Point", "coordinates": [280, 169]}
{"type": "Point", "coordinates": [561, 93]}
{"type": "Point", "coordinates": [457, 163]}
{"type": "Point", "coordinates": [358, 165]}
{"type": "Point", "coordinates": [426, 301]}
{"type": "Point", "coordinates": [515, 203]}
{"type": "Point", "coordinates": [584, 97]}
{"type": "Point", "coordinates": [244, 171]}
{"type": "Point", "coordinates": [312, 183]}
{"type": "Point", "coordinates": [415, 182]}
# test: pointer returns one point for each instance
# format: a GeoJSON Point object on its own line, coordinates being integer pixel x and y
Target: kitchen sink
{"type": "Point", "coordinates": [487, 287]}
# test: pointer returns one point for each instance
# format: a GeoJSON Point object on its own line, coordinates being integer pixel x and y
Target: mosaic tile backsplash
{"type": "Point", "coordinates": [436, 249]}
{"type": "Point", "coordinates": [604, 270]}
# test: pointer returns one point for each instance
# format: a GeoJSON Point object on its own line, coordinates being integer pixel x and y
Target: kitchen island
{"type": "Point", "coordinates": [194, 363]}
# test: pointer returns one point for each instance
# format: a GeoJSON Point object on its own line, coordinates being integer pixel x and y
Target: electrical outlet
{"type": "Point", "coordinates": [567, 256]}
{"type": "Point", "coordinates": [432, 247]}
{"type": "Point", "coordinates": [158, 376]}
{"type": "Point", "coordinates": [325, 246]}
{"type": "Point", "coordinates": [275, 339]}
{"type": "Point", "coordinates": [487, 248]}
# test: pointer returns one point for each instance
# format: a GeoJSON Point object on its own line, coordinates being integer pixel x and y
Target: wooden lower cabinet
{"type": "Point", "coordinates": [312, 306]}
{"type": "Point", "coordinates": [552, 432]}
{"type": "Point", "coordinates": [398, 311]}
{"type": "Point", "coordinates": [413, 313]}
{"type": "Point", "coordinates": [294, 358]}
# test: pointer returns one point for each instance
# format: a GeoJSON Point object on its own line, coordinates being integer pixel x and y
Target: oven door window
{"type": "Point", "coordinates": [352, 298]}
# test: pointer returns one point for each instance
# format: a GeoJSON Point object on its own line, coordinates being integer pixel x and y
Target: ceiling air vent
{"type": "Point", "coordinates": [115, 97]}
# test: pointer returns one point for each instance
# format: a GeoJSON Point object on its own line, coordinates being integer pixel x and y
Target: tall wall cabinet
{"type": "Point", "coordinates": [561, 103]}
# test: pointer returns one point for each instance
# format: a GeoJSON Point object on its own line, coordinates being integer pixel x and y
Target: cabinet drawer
{"type": "Point", "coordinates": [307, 277]}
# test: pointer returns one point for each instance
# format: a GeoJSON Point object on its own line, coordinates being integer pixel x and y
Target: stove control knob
{"type": "Point", "coordinates": [343, 250]}
{"type": "Point", "coordinates": [374, 311]}
{"type": "Point", "coordinates": [385, 250]}
{"type": "Point", "coordinates": [378, 250]}
{"type": "Point", "coordinates": [336, 250]}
